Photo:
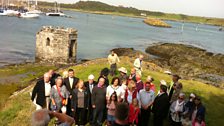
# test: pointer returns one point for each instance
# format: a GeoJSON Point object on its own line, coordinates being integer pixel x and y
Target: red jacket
{"type": "Point", "coordinates": [134, 95]}
{"type": "Point", "coordinates": [133, 114]}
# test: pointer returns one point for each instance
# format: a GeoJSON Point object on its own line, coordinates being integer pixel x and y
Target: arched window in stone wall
{"type": "Point", "coordinates": [48, 41]}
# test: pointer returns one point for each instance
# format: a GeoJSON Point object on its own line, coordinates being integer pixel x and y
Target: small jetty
{"type": "Point", "coordinates": [156, 22]}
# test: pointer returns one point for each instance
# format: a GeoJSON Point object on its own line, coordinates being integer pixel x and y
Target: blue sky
{"type": "Point", "coordinates": [207, 8]}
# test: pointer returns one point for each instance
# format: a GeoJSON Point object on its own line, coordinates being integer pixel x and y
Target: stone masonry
{"type": "Point", "coordinates": [56, 45]}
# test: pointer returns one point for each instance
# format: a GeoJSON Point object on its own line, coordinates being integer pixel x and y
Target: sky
{"type": "Point", "coordinates": [205, 8]}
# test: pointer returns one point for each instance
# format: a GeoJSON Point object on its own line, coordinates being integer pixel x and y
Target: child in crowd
{"type": "Point", "coordinates": [111, 106]}
{"type": "Point", "coordinates": [134, 112]}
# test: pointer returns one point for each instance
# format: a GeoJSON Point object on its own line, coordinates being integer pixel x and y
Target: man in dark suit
{"type": "Point", "coordinates": [89, 87]}
{"type": "Point", "coordinates": [42, 92]}
{"type": "Point", "coordinates": [99, 102]}
{"type": "Point", "coordinates": [70, 82]}
{"type": "Point", "coordinates": [160, 106]}
{"type": "Point", "coordinates": [53, 76]}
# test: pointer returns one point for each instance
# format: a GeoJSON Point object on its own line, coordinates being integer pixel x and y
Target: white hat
{"type": "Point", "coordinates": [163, 82]}
{"type": "Point", "coordinates": [192, 95]}
{"type": "Point", "coordinates": [149, 78]}
{"type": "Point", "coordinates": [181, 94]}
{"type": "Point", "coordinates": [91, 77]}
{"type": "Point", "coordinates": [122, 69]}
{"type": "Point", "coordinates": [168, 72]}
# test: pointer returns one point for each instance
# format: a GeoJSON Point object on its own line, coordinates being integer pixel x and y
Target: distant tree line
{"type": "Point", "coordinates": [99, 6]}
{"type": "Point", "coordinates": [102, 7]}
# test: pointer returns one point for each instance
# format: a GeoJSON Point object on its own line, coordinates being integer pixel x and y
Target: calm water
{"type": "Point", "coordinates": [97, 34]}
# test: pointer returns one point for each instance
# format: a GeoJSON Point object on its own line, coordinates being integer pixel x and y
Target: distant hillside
{"type": "Point", "coordinates": [92, 6]}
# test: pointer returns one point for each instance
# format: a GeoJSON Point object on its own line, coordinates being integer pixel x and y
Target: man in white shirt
{"type": "Point", "coordinates": [113, 59]}
{"type": "Point", "coordinates": [41, 92]}
{"type": "Point", "coordinates": [138, 64]}
{"type": "Point", "coordinates": [70, 83]}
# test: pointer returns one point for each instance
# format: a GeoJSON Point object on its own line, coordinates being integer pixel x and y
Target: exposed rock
{"type": "Point", "coordinates": [130, 52]}
{"type": "Point", "coordinates": [156, 22]}
{"type": "Point", "coordinates": [190, 61]}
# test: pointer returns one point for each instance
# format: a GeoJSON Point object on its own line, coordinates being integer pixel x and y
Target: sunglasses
{"type": "Point", "coordinates": [181, 98]}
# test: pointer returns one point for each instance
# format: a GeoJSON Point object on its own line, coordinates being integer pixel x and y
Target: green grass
{"type": "Point", "coordinates": [28, 72]}
{"type": "Point", "coordinates": [19, 108]}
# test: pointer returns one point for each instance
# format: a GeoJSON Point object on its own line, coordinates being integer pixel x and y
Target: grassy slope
{"type": "Point", "coordinates": [102, 8]}
{"type": "Point", "coordinates": [19, 108]}
{"type": "Point", "coordinates": [29, 72]}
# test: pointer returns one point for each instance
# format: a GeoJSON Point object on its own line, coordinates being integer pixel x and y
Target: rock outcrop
{"type": "Point", "coordinates": [156, 22]}
{"type": "Point", "coordinates": [190, 61]}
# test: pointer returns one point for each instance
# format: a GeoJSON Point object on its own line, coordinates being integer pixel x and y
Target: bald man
{"type": "Point", "coordinates": [42, 92]}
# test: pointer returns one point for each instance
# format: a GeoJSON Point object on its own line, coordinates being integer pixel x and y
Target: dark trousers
{"type": "Point", "coordinates": [81, 116]}
{"type": "Point", "coordinates": [145, 116]}
{"type": "Point", "coordinates": [175, 123]}
{"type": "Point", "coordinates": [69, 110]}
{"type": "Point", "coordinates": [90, 115]}
{"type": "Point", "coordinates": [158, 120]}
{"type": "Point", "coordinates": [113, 68]}
{"type": "Point", "coordinates": [98, 116]}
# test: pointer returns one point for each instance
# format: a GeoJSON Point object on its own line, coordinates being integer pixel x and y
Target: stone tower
{"type": "Point", "coordinates": [56, 45]}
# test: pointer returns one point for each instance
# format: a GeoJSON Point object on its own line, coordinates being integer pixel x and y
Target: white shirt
{"type": "Point", "coordinates": [119, 91]}
{"type": "Point", "coordinates": [91, 88]}
{"type": "Point", "coordinates": [129, 98]}
{"type": "Point", "coordinates": [47, 87]}
{"type": "Point", "coordinates": [113, 59]}
{"type": "Point", "coordinates": [71, 81]}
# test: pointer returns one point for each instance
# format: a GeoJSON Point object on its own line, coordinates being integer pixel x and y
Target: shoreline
{"type": "Point", "coordinates": [80, 60]}
{"type": "Point", "coordinates": [169, 16]}
{"type": "Point", "coordinates": [142, 17]}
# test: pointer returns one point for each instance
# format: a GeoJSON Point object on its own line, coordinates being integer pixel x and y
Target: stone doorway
{"type": "Point", "coordinates": [71, 48]}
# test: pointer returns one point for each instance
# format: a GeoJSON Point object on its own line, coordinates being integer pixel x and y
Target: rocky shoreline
{"type": "Point", "coordinates": [190, 62]}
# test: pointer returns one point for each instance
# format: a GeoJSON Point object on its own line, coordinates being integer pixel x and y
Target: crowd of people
{"type": "Point", "coordinates": [127, 100]}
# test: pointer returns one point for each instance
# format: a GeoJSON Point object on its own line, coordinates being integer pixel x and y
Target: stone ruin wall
{"type": "Point", "coordinates": [56, 45]}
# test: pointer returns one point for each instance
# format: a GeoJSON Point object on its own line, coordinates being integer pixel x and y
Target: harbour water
{"type": "Point", "coordinates": [97, 34]}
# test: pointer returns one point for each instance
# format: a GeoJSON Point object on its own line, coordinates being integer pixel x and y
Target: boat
{"type": "Point", "coordinates": [28, 15]}
{"type": "Point", "coordinates": [56, 12]}
{"type": "Point", "coordinates": [35, 12]}
{"type": "Point", "coordinates": [3, 12]}
{"type": "Point", "coordinates": [10, 12]}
